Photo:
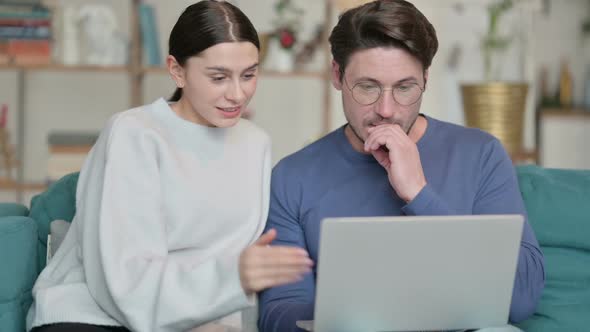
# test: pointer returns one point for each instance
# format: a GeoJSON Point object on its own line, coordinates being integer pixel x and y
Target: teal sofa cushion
{"type": "Point", "coordinates": [13, 209]}
{"type": "Point", "coordinates": [18, 254]}
{"type": "Point", "coordinates": [57, 202]}
{"type": "Point", "coordinates": [557, 203]}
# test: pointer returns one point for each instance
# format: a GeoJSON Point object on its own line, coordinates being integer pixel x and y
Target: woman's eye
{"type": "Point", "coordinates": [218, 78]}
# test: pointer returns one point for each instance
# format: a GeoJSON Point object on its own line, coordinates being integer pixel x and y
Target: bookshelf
{"type": "Point", "coordinates": [137, 73]}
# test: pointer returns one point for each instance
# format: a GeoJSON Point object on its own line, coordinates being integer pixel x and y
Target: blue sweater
{"type": "Point", "coordinates": [468, 172]}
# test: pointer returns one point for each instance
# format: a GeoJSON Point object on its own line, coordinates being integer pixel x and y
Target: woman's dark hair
{"type": "Point", "coordinates": [383, 23]}
{"type": "Point", "coordinates": [205, 24]}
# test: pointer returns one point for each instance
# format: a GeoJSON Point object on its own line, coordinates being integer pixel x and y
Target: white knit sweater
{"type": "Point", "coordinates": [164, 208]}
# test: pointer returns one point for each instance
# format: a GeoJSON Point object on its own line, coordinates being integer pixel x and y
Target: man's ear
{"type": "Point", "coordinates": [336, 79]}
{"type": "Point", "coordinates": [425, 78]}
{"type": "Point", "coordinates": [176, 71]}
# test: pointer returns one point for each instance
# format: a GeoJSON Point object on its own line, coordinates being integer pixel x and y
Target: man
{"type": "Point", "coordinates": [389, 159]}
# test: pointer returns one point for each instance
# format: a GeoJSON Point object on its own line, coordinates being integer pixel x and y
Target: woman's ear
{"type": "Point", "coordinates": [176, 71]}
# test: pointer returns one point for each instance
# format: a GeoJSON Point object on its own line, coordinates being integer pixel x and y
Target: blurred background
{"type": "Point", "coordinates": [519, 69]}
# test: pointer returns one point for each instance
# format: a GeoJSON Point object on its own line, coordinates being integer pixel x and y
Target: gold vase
{"type": "Point", "coordinates": [263, 38]}
{"type": "Point", "coordinates": [497, 108]}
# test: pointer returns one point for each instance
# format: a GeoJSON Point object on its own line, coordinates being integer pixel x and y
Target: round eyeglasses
{"type": "Point", "coordinates": [368, 92]}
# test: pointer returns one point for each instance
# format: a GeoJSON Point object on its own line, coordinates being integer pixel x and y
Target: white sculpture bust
{"type": "Point", "coordinates": [102, 42]}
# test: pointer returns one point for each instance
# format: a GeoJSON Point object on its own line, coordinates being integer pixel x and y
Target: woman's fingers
{"type": "Point", "coordinates": [262, 278]}
{"type": "Point", "coordinates": [284, 256]}
{"type": "Point", "coordinates": [263, 265]}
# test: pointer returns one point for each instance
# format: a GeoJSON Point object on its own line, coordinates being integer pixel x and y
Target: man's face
{"type": "Point", "coordinates": [385, 67]}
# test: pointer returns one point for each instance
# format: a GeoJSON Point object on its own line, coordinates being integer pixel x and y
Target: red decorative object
{"type": "Point", "coordinates": [287, 38]}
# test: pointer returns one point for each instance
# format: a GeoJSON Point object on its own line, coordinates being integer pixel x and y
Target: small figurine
{"type": "Point", "coordinates": [102, 41]}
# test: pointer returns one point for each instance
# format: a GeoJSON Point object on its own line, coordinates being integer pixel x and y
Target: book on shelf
{"type": "Point", "coordinates": [149, 35]}
{"type": "Point", "coordinates": [24, 21]}
{"type": "Point", "coordinates": [28, 51]}
{"type": "Point", "coordinates": [72, 138]}
{"type": "Point", "coordinates": [67, 152]}
{"type": "Point", "coordinates": [24, 10]}
{"type": "Point", "coordinates": [25, 33]}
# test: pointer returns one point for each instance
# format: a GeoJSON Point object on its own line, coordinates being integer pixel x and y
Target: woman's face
{"type": "Point", "coordinates": [218, 84]}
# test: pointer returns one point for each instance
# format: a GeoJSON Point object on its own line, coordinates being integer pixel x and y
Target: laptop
{"type": "Point", "coordinates": [427, 273]}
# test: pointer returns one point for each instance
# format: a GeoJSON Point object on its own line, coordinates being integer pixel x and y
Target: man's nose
{"type": "Point", "coordinates": [386, 105]}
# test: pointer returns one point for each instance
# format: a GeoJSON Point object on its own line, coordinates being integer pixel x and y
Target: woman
{"type": "Point", "coordinates": [172, 199]}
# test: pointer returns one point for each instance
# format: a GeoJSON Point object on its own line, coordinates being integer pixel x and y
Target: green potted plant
{"type": "Point", "coordinates": [493, 105]}
{"type": "Point", "coordinates": [494, 44]}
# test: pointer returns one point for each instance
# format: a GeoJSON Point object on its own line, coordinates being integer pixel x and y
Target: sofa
{"type": "Point", "coordinates": [557, 201]}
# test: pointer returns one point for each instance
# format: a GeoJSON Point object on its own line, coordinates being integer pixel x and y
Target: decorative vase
{"type": "Point", "coordinates": [497, 108]}
{"type": "Point", "coordinates": [566, 92]}
{"type": "Point", "coordinates": [278, 58]}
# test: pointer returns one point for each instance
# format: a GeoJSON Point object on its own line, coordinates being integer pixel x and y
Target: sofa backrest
{"type": "Point", "coordinates": [57, 202]}
{"type": "Point", "coordinates": [557, 203]}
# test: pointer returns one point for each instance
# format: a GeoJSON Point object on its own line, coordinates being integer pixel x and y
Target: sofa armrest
{"type": "Point", "coordinates": [18, 259]}
{"type": "Point", "coordinates": [556, 202]}
{"type": "Point", "coordinates": [13, 209]}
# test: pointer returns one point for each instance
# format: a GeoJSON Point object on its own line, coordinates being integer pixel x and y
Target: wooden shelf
{"type": "Point", "coordinates": [64, 68]}
{"type": "Point", "coordinates": [525, 156]}
{"type": "Point", "coordinates": [565, 112]}
{"type": "Point", "coordinates": [152, 70]}
{"type": "Point", "coordinates": [8, 184]}
{"type": "Point", "coordinates": [263, 73]}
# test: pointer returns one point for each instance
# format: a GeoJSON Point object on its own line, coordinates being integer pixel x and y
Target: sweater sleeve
{"type": "Point", "coordinates": [282, 306]}
{"type": "Point", "coordinates": [499, 193]}
{"type": "Point", "coordinates": [427, 202]}
{"type": "Point", "coordinates": [124, 244]}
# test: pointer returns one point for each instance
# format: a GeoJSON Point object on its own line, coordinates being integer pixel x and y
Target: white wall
{"type": "Point", "coordinates": [289, 109]}
{"type": "Point", "coordinates": [565, 141]}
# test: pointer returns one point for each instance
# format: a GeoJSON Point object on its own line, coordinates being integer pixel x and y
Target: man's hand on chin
{"type": "Point", "coordinates": [399, 155]}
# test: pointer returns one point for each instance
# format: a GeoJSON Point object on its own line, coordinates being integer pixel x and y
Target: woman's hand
{"type": "Point", "coordinates": [263, 266]}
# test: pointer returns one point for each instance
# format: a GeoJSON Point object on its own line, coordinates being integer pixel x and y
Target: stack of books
{"type": "Point", "coordinates": [25, 33]}
{"type": "Point", "coordinates": [67, 152]}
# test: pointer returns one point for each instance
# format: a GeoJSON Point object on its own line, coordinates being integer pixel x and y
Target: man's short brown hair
{"type": "Point", "coordinates": [383, 23]}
